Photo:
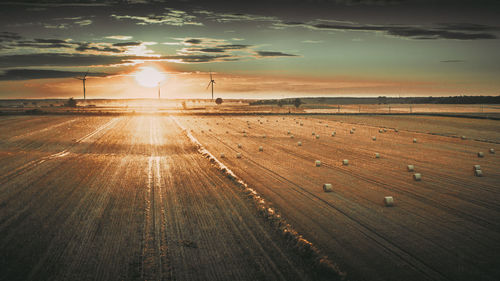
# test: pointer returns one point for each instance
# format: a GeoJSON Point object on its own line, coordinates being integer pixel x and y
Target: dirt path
{"type": "Point", "coordinates": [132, 199]}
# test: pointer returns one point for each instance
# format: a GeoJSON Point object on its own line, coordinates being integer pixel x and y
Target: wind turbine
{"type": "Point", "coordinates": [83, 80]}
{"type": "Point", "coordinates": [212, 81]}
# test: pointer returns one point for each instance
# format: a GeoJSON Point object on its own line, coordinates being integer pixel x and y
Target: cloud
{"type": "Point", "coordinates": [83, 22]}
{"type": "Point", "coordinates": [126, 44]}
{"type": "Point", "coordinates": [441, 31]}
{"type": "Point", "coordinates": [312, 41]}
{"type": "Point", "coordinates": [59, 59]}
{"type": "Point", "coordinates": [232, 17]}
{"type": "Point", "coordinates": [274, 54]}
{"type": "Point", "coordinates": [170, 17]}
{"type": "Point", "coordinates": [82, 47]}
{"type": "Point", "coordinates": [119, 37]}
{"type": "Point", "coordinates": [28, 74]}
{"type": "Point", "coordinates": [452, 61]}
{"type": "Point", "coordinates": [193, 41]}
{"type": "Point", "coordinates": [9, 36]}
{"type": "Point", "coordinates": [43, 44]}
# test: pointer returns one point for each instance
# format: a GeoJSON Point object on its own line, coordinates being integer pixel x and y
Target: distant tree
{"type": "Point", "coordinates": [280, 103]}
{"type": "Point", "coordinates": [218, 100]}
{"type": "Point", "coordinates": [71, 102]}
{"type": "Point", "coordinates": [297, 102]}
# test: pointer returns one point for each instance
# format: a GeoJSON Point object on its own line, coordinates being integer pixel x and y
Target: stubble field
{"type": "Point", "coordinates": [130, 197]}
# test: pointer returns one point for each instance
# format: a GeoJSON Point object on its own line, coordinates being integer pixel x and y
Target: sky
{"type": "Point", "coordinates": [254, 49]}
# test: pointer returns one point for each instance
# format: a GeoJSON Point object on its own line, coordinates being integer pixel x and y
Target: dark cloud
{"type": "Point", "coordinates": [234, 46]}
{"type": "Point", "coordinates": [28, 74]}
{"type": "Point", "coordinates": [193, 41]}
{"type": "Point", "coordinates": [127, 44]}
{"type": "Point", "coordinates": [59, 59]}
{"type": "Point", "coordinates": [83, 47]}
{"type": "Point", "coordinates": [460, 31]}
{"type": "Point", "coordinates": [274, 54]}
{"type": "Point", "coordinates": [9, 36]}
{"type": "Point", "coordinates": [452, 61]}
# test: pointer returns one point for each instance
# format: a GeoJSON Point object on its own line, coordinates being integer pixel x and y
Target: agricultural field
{"type": "Point", "coordinates": [155, 197]}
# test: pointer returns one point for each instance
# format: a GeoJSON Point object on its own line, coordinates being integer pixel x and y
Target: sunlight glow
{"type": "Point", "coordinates": [149, 77]}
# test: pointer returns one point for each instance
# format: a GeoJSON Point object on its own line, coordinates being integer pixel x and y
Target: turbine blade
{"type": "Point", "coordinates": [208, 85]}
{"type": "Point", "coordinates": [86, 73]}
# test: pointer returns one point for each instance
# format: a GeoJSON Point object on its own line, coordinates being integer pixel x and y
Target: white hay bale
{"type": "Point", "coordinates": [396, 130]}
{"type": "Point", "coordinates": [327, 187]}
{"type": "Point", "coordinates": [239, 145]}
{"type": "Point", "coordinates": [244, 131]}
{"type": "Point", "coordinates": [333, 134]}
{"type": "Point", "coordinates": [222, 155]}
{"type": "Point", "coordinates": [326, 125]}
{"type": "Point", "coordinates": [317, 136]}
{"type": "Point", "coordinates": [476, 167]}
{"type": "Point", "coordinates": [313, 133]}
{"type": "Point", "coordinates": [238, 155]}
{"type": "Point", "coordinates": [377, 155]}
{"type": "Point", "coordinates": [301, 124]}
{"type": "Point", "coordinates": [389, 201]}
{"type": "Point", "coordinates": [264, 136]}
{"type": "Point", "coordinates": [385, 130]}
{"type": "Point", "coordinates": [374, 138]}
{"type": "Point", "coordinates": [292, 137]}
{"type": "Point", "coordinates": [245, 135]}
{"type": "Point", "coordinates": [478, 173]}
{"type": "Point", "coordinates": [492, 150]}
{"type": "Point", "coordinates": [480, 154]}
{"type": "Point", "coordinates": [288, 132]}
{"type": "Point", "coordinates": [353, 128]}
{"type": "Point", "coordinates": [351, 131]}
{"type": "Point", "coordinates": [299, 143]}
{"type": "Point", "coordinates": [411, 168]}
{"type": "Point", "coordinates": [463, 137]}
{"type": "Point", "coordinates": [414, 140]}
{"type": "Point", "coordinates": [380, 131]}
{"type": "Point", "coordinates": [417, 177]}
{"type": "Point", "coordinates": [317, 163]}
{"type": "Point", "coordinates": [261, 148]}
{"type": "Point", "coordinates": [345, 162]}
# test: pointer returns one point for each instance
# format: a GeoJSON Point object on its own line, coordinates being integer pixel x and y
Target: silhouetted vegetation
{"type": "Point", "coordinates": [71, 102]}
{"type": "Point", "coordinates": [297, 102]}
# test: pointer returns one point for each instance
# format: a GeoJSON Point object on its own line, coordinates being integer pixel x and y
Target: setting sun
{"type": "Point", "coordinates": [149, 77]}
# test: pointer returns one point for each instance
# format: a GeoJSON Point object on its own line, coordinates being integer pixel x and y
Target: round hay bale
{"type": "Point", "coordinates": [377, 155]}
{"type": "Point", "coordinates": [414, 140]}
{"type": "Point", "coordinates": [264, 136]}
{"type": "Point", "coordinates": [238, 155]}
{"type": "Point", "coordinates": [476, 167]}
{"type": "Point", "coordinates": [227, 132]}
{"type": "Point", "coordinates": [301, 124]}
{"type": "Point", "coordinates": [317, 136]}
{"type": "Point", "coordinates": [411, 168]}
{"type": "Point", "coordinates": [478, 173]}
{"type": "Point", "coordinates": [396, 130]}
{"type": "Point", "coordinates": [292, 137]}
{"type": "Point", "coordinates": [239, 145]}
{"type": "Point", "coordinates": [299, 143]}
{"type": "Point", "coordinates": [317, 163]}
{"type": "Point", "coordinates": [245, 135]}
{"type": "Point", "coordinates": [327, 187]}
{"type": "Point", "coordinates": [385, 130]}
{"type": "Point", "coordinates": [244, 131]}
{"type": "Point", "coordinates": [333, 134]}
{"type": "Point", "coordinates": [288, 132]}
{"type": "Point", "coordinates": [480, 154]}
{"type": "Point", "coordinates": [374, 138]}
{"type": "Point", "coordinates": [353, 128]}
{"type": "Point", "coordinates": [222, 155]}
{"type": "Point", "coordinates": [209, 130]}
{"type": "Point", "coordinates": [417, 177]}
{"type": "Point", "coordinates": [313, 133]}
{"type": "Point", "coordinates": [326, 125]}
{"type": "Point", "coordinates": [351, 132]}
{"type": "Point", "coordinates": [380, 131]}
{"type": "Point", "coordinates": [261, 148]}
{"type": "Point", "coordinates": [345, 162]}
{"type": "Point", "coordinates": [389, 201]}
{"type": "Point", "coordinates": [463, 137]}
{"type": "Point", "coordinates": [492, 150]}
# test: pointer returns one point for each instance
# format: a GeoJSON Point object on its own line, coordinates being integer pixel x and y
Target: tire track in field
{"type": "Point", "coordinates": [34, 163]}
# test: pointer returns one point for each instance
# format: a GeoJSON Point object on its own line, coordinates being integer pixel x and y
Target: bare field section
{"type": "Point", "coordinates": [444, 227]}
{"type": "Point", "coordinates": [126, 198]}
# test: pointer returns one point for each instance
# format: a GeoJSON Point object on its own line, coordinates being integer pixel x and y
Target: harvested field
{"type": "Point", "coordinates": [444, 227]}
{"type": "Point", "coordinates": [130, 197]}
{"type": "Point", "coordinates": [127, 198]}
